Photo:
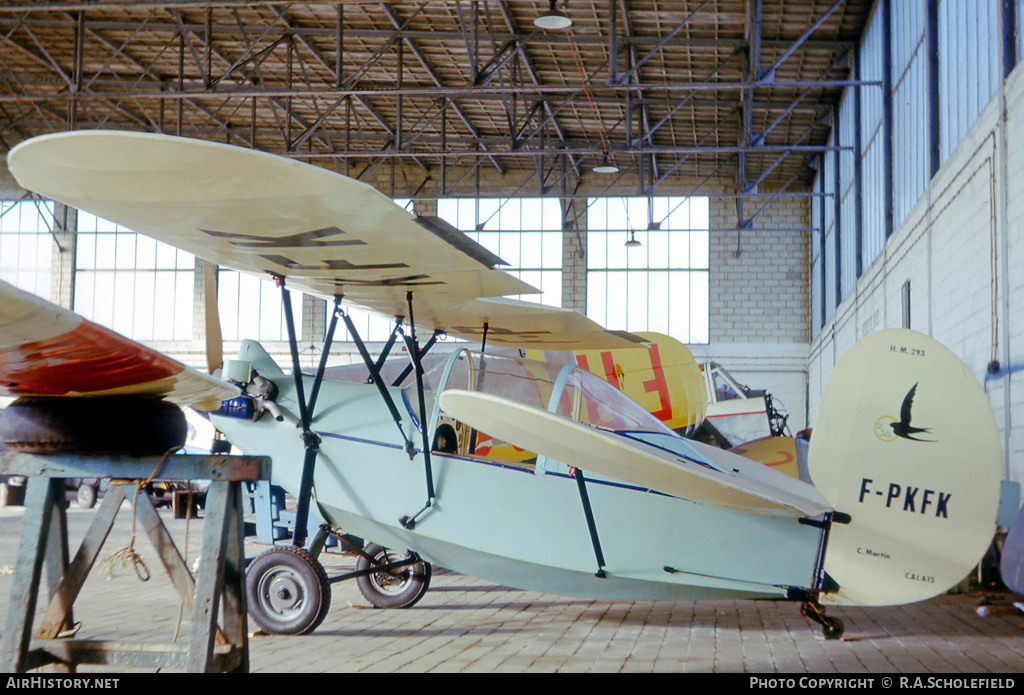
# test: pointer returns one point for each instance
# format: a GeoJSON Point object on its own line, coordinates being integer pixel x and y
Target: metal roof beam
{"type": "Point", "coordinates": [45, 60]}
{"type": "Point", "coordinates": [768, 75]}
{"type": "Point", "coordinates": [582, 149]}
{"type": "Point", "coordinates": [393, 18]}
{"type": "Point", "coordinates": [527, 65]}
{"type": "Point", "coordinates": [453, 92]}
{"type": "Point", "coordinates": [761, 136]}
{"type": "Point", "coordinates": [7, 17]}
{"type": "Point", "coordinates": [184, 33]}
{"type": "Point", "coordinates": [639, 63]}
{"type": "Point", "coordinates": [778, 161]}
{"type": "Point", "coordinates": [470, 54]}
{"type": "Point", "coordinates": [700, 143]}
{"type": "Point", "coordinates": [686, 100]}
{"type": "Point", "coordinates": [633, 74]}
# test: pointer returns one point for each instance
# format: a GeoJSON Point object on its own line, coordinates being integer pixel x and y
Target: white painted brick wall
{"type": "Point", "coordinates": [574, 266]}
{"type": "Point", "coordinates": [760, 294]}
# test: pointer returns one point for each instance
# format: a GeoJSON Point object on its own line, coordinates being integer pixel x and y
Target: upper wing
{"type": "Point", "coordinates": [265, 214]}
{"type": "Point", "coordinates": [46, 350]}
{"type": "Point", "coordinates": [704, 474]}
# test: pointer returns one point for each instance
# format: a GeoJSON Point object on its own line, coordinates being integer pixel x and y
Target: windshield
{"type": "Point", "coordinates": [582, 396]}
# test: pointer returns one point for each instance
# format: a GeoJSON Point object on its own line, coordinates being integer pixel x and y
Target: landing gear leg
{"type": "Point", "coordinates": [831, 628]}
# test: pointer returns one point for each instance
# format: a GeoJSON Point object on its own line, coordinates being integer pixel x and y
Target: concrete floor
{"type": "Point", "coordinates": [465, 624]}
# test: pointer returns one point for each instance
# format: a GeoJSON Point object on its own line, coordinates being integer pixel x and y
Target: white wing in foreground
{"type": "Point", "coordinates": [666, 464]}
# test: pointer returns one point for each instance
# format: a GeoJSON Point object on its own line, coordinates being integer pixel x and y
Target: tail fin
{"type": "Point", "coordinates": [906, 444]}
{"type": "Point", "coordinates": [663, 378]}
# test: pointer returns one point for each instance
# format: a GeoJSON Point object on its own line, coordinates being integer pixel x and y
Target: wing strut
{"type": "Point", "coordinates": [309, 438]}
{"type": "Point", "coordinates": [375, 374]}
{"type": "Point", "coordinates": [581, 483]}
{"type": "Point", "coordinates": [414, 354]}
{"type": "Point", "coordinates": [379, 364]}
{"type": "Point", "coordinates": [591, 525]}
{"type": "Point", "coordinates": [423, 351]}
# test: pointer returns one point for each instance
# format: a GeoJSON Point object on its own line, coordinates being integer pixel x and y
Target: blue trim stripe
{"type": "Point", "coordinates": [493, 464]}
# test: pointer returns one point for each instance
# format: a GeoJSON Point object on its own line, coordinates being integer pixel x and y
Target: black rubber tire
{"type": "Point", "coordinates": [288, 591]}
{"type": "Point", "coordinates": [833, 628]}
{"type": "Point", "coordinates": [85, 496]}
{"type": "Point", "coordinates": [138, 426]}
{"type": "Point", "coordinates": [400, 588]}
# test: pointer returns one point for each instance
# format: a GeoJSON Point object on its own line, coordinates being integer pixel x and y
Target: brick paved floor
{"type": "Point", "coordinates": [466, 624]}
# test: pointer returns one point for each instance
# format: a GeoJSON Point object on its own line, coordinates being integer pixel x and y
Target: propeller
{"type": "Point", "coordinates": [214, 342]}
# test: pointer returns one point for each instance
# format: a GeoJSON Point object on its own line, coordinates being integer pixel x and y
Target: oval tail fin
{"type": "Point", "coordinates": [905, 442]}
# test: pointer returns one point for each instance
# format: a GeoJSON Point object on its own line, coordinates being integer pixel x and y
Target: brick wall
{"type": "Point", "coordinates": [574, 264]}
{"type": "Point", "coordinates": [62, 259]}
{"type": "Point", "coordinates": [759, 279]}
{"type": "Point", "coordinates": [759, 301]}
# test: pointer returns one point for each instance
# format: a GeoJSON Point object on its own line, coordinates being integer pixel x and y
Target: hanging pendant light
{"type": "Point", "coordinates": [554, 19]}
{"type": "Point", "coordinates": [606, 166]}
{"type": "Point", "coordinates": [632, 242]}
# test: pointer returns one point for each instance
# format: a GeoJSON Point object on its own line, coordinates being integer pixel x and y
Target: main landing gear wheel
{"type": "Point", "coordinates": [398, 588]}
{"type": "Point", "coordinates": [288, 591]}
{"type": "Point", "coordinates": [86, 496]}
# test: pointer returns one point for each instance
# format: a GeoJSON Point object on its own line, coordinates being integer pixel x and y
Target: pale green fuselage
{"type": "Point", "coordinates": [519, 527]}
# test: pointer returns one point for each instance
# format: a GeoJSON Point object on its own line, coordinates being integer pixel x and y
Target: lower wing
{"type": "Point", "coordinates": [46, 350]}
{"type": "Point", "coordinates": [679, 467]}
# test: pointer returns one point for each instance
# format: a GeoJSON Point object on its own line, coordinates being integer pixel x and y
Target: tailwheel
{"type": "Point", "coordinates": [288, 591]}
{"type": "Point", "coordinates": [831, 628]}
{"type": "Point", "coordinates": [400, 587]}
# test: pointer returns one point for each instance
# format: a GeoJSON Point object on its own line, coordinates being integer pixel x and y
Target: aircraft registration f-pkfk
{"type": "Point", "coordinates": [605, 500]}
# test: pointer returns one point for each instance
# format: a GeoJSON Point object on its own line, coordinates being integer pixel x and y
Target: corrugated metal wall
{"type": "Point", "coordinates": [817, 319]}
{"type": "Point", "coordinates": [969, 41]}
{"type": "Point", "coordinates": [968, 71]}
{"type": "Point", "coordinates": [872, 156]}
{"type": "Point", "coordinates": [1020, 26]}
{"type": "Point", "coordinates": [847, 196]}
{"type": "Point", "coordinates": [910, 106]}
{"type": "Point", "coordinates": [828, 218]}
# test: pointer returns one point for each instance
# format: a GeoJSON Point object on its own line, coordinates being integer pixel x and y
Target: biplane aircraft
{"type": "Point", "coordinates": [534, 474]}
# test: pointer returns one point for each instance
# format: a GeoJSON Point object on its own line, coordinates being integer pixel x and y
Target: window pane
{"type": "Point", "coordinates": [26, 245]}
{"type": "Point", "coordinates": [699, 249]}
{"type": "Point", "coordinates": [660, 285]}
{"type": "Point", "coordinates": [131, 283]}
{"type": "Point", "coordinates": [532, 256]}
{"type": "Point", "coordinates": [657, 249]}
{"type": "Point", "coordinates": [250, 307]}
{"type": "Point", "coordinates": [551, 253]}
{"type": "Point", "coordinates": [509, 244]}
{"type": "Point", "coordinates": [516, 232]}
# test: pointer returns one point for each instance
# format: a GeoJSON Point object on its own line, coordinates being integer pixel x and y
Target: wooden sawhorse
{"type": "Point", "coordinates": [221, 575]}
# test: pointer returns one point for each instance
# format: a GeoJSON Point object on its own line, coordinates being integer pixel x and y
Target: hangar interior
{"type": "Point", "coordinates": [798, 174]}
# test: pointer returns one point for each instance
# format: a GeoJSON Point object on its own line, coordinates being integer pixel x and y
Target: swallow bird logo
{"type": "Point", "coordinates": [903, 427]}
